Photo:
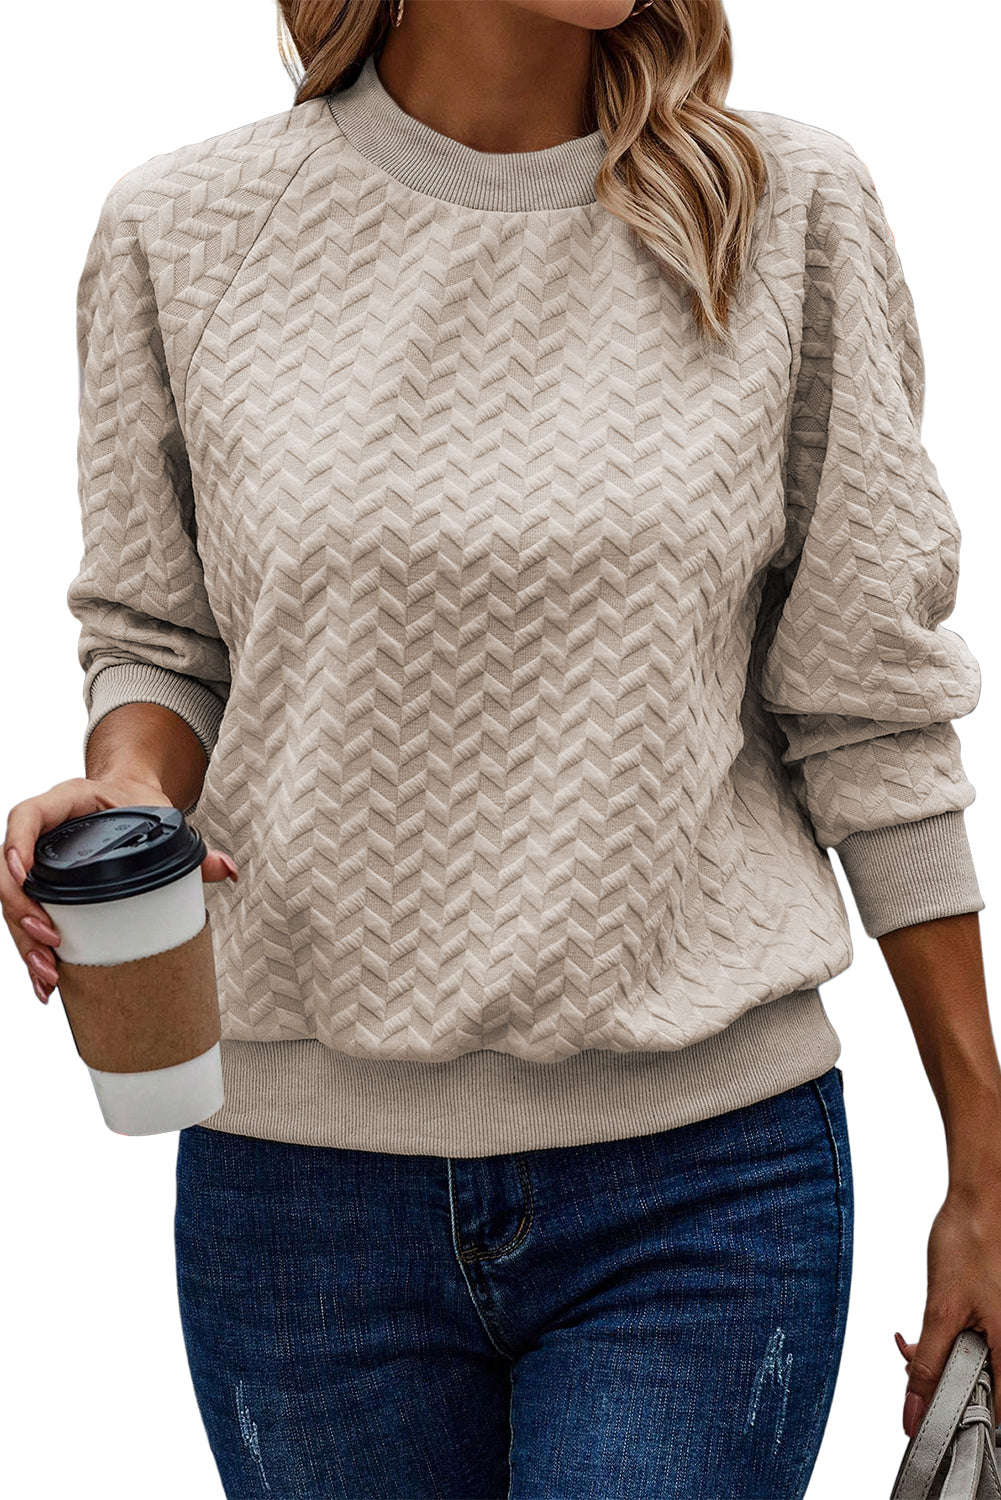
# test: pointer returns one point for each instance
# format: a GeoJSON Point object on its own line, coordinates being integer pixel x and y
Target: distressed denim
{"type": "Point", "coordinates": [661, 1315]}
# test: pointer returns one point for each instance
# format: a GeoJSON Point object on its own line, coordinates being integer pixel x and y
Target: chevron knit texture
{"type": "Point", "coordinates": [540, 652]}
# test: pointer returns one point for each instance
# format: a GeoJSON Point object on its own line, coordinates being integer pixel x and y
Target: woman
{"type": "Point", "coordinates": [507, 530]}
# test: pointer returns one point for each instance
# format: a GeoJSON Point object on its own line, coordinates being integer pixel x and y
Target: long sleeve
{"type": "Point", "coordinates": [147, 633]}
{"type": "Point", "coordinates": [860, 675]}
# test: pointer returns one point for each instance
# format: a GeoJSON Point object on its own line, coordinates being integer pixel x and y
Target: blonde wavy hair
{"type": "Point", "coordinates": [681, 169]}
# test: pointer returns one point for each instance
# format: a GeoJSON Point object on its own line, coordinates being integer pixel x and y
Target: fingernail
{"type": "Point", "coordinates": [39, 929]}
{"type": "Point", "coordinates": [43, 968]}
{"type": "Point", "coordinates": [231, 869]}
{"type": "Point", "coordinates": [40, 991]}
{"type": "Point", "coordinates": [15, 866]}
{"type": "Point", "coordinates": [913, 1412]}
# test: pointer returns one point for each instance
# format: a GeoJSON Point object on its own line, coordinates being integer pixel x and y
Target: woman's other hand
{"type": "Point", "coordinates": [29, 924]}
{"type": "Point", "coordinates": [964, 1284]}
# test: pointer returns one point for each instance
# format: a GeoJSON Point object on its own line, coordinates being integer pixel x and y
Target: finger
{"type": "Point", "coordinates": [38, 958]}
{"type": "Point", "coordinates": [39, 963]}
{"type": "Point", "coordinates": [41, 990]}
{"type": "Point", "coordinates": [218, 866]}
{"type": "Point", "coordinates": [32, 930]}
{"type": "Point", "coordinates": [27, 820]}
{"type": "Point", "coordinates": [16, 905]}
{"type": "Point", "coordinates": [32, 933]}
{"type": "Point", "coordinates": [42, 967]}
{"type": "Point", "coordinates": [905, 1348]}
{"type": "Point", "coordinates": [29, 934]}
{"type": "Point", "coordinates": [924, 1370]}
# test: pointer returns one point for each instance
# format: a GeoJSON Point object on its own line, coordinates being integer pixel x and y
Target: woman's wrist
{"type": "Point", "coordinates": [973, 1141]}
{"type": "Point", "coordinates": [148, 744]}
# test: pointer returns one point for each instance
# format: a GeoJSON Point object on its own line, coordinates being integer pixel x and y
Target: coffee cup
{"type": "Point", "coordinates": [136, 967]}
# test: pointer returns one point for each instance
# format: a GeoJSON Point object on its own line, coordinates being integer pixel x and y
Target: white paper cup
{"type": "Point", "coordinates": [136, 973]}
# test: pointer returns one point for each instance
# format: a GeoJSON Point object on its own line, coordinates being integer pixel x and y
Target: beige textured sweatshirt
{"type": "Point", "coordinates": [540, 651]}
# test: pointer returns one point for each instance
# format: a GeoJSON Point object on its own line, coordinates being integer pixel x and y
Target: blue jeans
{"type": "Point", "coordinates": [661, 1315]}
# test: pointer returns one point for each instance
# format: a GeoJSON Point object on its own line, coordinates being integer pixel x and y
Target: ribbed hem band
{"type": "Point", "coordinates": [484, 1103]}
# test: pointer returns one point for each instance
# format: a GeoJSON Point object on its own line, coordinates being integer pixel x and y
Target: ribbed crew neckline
{"type": "Point", "coordinates": [560, 176]}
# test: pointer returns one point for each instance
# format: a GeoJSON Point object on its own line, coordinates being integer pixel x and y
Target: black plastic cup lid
{"type": "Point", "coordinates": [117, 852]}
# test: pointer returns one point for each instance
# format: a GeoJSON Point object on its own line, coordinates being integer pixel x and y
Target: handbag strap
{"type": "Point", "coordinates": [927, 1448]}
{"type": "Point", "coordinates": [973, 1467]}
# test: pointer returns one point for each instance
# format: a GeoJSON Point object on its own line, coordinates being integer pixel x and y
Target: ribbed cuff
{"type": "Point", "coordinates": [911, 872]}
{"type": "Point", "coordinates": [143, 682]}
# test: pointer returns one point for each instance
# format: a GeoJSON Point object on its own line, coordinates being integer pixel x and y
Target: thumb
{"type": "Point", "coordinates": [218, 866]}
{"type": "Point", "coordinates": [925, 1366]}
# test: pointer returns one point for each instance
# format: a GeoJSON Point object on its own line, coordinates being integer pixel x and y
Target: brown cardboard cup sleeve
{"type": "Point", "coordinates": [146, 1013]}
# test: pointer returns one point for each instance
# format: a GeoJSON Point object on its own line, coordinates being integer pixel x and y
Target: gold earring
{"type": "Point", "coordinates": [398, 17]}
{"type": "Point", "coordinates": [637, 8]}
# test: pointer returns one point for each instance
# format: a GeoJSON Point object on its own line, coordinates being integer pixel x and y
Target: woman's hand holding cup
{"type": "Point", "coordinates": [29, 924]}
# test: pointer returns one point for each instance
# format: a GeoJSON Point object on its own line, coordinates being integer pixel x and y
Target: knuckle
{"type": "Point", "coordinates": [23, 949]}
{"type": "Point", "coordinates": [13, 911]}
{"type": "Point", "coordinates": [19, 820]}
{"type": "Point", "coordinates": [13, 902]}
{"type": "Point", "coordinates": [939, 1314]}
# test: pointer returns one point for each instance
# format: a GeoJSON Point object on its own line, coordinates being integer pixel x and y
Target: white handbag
{"type": "Point", "coordinates": [955, 1452]}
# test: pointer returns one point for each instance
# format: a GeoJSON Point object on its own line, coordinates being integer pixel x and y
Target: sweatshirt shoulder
{"type": "Point", "coordinates": [239, 166]}
{"type": "Point", "coordinates": [173, 231]}
{"type": "Point", "coordinates": [807, 158]}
